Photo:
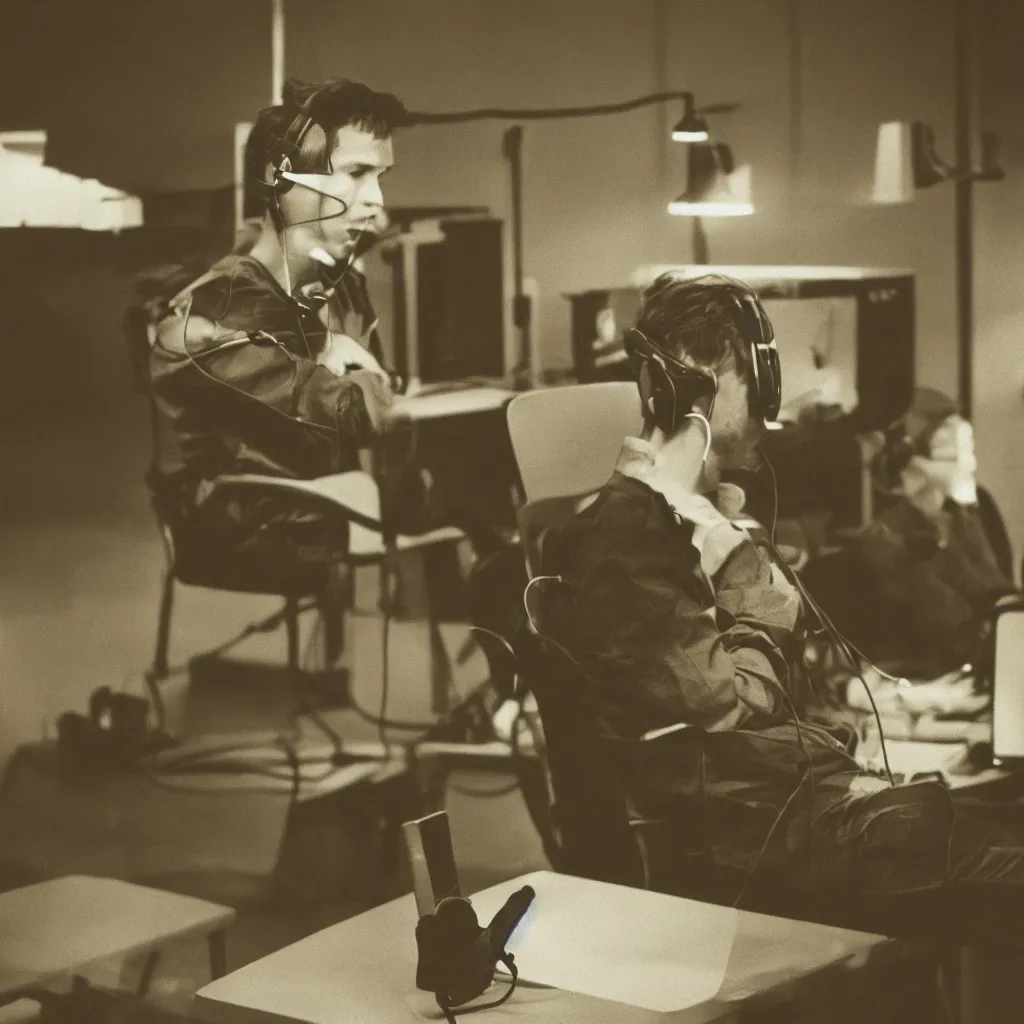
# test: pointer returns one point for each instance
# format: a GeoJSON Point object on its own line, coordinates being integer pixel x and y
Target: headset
{"type": "Point", "coordinates": [895, 455]}
{"type": "Point", "coordinates": [670, 389]}
{"type": "Point", "coordinates": [283, 178]}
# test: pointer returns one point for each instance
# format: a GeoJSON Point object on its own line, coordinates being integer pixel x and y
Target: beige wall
{"type": "Point", "coordinates": [596, 188]}
{"type": "Point", "coordinates": [147, 99]}
{"type": "Point", "coordinates": [998, 258]}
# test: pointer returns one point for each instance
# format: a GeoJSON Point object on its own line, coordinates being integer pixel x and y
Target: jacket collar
{"type": "Point", "coordinates": [638, 460]}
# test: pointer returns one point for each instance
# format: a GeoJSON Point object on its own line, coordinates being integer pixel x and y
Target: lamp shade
{"type": "Point", "coordinates": [894, 167]}
{"type": "Point", "coordinates": [714, 188]}
{"type": "Point", "coordinates": [691, 127]}
{"type": "Point", "coordinates": [905, 161]}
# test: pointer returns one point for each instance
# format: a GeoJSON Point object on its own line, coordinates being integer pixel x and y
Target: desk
{"type": "Point", "coordinates": [363, 970]}
{"type": "Point", "coordinates": [53, 930]}
{"type": "Point", "coordinates": [914, 757]}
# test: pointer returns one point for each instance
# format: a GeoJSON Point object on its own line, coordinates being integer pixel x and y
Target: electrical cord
{"type": "Point", "coordinates": [771, 833]}
{"type": "Point", "coordinates": [267, 625]}
{"type": "Point", "coordinates": [303, 707]}
{"type": "Point", "coordinates": [839, 642]}
{"type": "Point", "coordinates": [450, 1012]}
{"type": "Point", "coordinates": [385, 648]}
{"type": "Point", "coordinates": [543, 114]}
{"type": "Point", "coordinates": [485, 793]}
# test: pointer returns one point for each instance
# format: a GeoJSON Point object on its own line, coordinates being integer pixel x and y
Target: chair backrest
{"type": "Point", "coordinates": [566, 439]}
{"type": "Point", "coordinates": [996, 532]}
{"type": "Point", "coordinates": [590, 810]}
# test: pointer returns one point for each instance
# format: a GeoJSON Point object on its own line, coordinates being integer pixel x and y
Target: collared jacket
{"type": "Point", "coordinates": [710, 634]}
{"type": "Point", "coordinates": [237, 385]}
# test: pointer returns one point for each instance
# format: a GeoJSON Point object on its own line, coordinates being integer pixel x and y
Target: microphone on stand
{"type": "Point", "coordinates": [457, 956]}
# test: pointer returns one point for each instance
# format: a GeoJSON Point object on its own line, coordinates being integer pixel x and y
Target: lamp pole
{"type": "Point", "coordinates": [701, 251]}
{"type": "Point", "coordinates": [276, 51]}
{"type": "Point", "coordinates": [964, 202]}
{"type": "Point", "coordinates": [512, 144]}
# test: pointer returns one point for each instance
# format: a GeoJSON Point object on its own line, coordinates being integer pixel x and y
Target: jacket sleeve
{"type": "Point", "coordinates": [652, 621]}
{"type": "Point", "coordinates": [350, 407]}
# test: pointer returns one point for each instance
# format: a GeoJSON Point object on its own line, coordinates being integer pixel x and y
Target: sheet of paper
{"type": "Point", "coordinates": [630, 946]}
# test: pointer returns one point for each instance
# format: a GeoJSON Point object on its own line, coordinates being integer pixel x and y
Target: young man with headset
{"type": "Point", "coordinates": [270, 363]}
{"type": "Point", "coordinates": [677, 618]}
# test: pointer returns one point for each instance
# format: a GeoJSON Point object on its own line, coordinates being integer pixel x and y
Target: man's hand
{"type": "Point", "coordinates": [378, 398]}
{"type": "Point", "coordinates": [341, 353]}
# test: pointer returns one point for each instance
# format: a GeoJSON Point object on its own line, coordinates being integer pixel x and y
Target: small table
{"type": "Point", "coordinates": [364, 968]}
{"type": "Point", "coordinates": [52, 930]}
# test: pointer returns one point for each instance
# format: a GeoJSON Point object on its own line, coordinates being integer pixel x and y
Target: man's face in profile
{"type": "Point", "coordinates": [348, 201]}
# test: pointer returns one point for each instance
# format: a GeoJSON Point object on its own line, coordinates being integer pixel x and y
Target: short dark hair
{"type": "Point", "coordinates": [337, 103]}
{"type": "Point", "coordinates": [694, 320]}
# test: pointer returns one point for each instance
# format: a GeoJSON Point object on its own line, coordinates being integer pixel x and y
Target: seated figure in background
{"type": "Point", "coordinates": [676, 618]}
{"type": "Point", "coordinates": [929, 562]}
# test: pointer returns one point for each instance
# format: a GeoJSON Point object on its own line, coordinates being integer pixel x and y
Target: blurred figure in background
{"type": "Point", "coordinates": [934, 562]}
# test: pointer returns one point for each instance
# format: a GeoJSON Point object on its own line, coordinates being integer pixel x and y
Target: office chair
{"type": "Point", "coordinates": [198, 556]}
{"type": "Point", "coordinates": [600, 834]}
{"type": "Point", "coordinates": [566, 439]}
{"type": "Point", "coordinates": [995, 530]}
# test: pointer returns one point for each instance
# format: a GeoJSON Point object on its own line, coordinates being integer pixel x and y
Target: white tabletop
{"type": "Point", "coordinates": [707, 960]}
{"type": "Point", "coordinates": [57, 928]}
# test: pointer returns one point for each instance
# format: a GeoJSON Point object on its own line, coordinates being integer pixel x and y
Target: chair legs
{"type": "Point", "coordinates": [160, 669]}
{"type": "Point", "coordinates": [148, 969]}
{"type": "Point", "coordinates": [291, 624]}
{"type": "Point", "coordinates": [218, 954]}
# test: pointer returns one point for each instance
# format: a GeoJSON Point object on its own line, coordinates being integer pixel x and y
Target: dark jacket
{"type": "Point", "coordinates": [938, 580]}
{"type": "Point", "coordinates": [237, 387]}
{"type": "Point", "coordinates": [660, 643]}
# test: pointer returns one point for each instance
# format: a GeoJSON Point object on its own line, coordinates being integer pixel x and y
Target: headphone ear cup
{"type": "Point", "coordinates": [282, 184]}
{"type": "Point", "coordinates": [663, 392]}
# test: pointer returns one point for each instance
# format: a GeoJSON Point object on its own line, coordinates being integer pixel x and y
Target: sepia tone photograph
{"type": "Point", "coordinates": [512, 512]}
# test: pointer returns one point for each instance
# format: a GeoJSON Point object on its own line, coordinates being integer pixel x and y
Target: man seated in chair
{"type": "Point", "coordinates": [270, 362]}
{"type": "Point", "coordinates": [677, 619]}
{"type": "Point", "coordinates": [929, 560]}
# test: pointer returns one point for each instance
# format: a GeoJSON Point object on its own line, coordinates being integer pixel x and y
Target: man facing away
{"type": "Point", "coordinates": [676, 617]}
{"type": "Point", "coordinates": [270, 362]}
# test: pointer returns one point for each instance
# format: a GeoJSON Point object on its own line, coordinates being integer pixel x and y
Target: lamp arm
{"type": "Point", "coordinates": [497, 113]}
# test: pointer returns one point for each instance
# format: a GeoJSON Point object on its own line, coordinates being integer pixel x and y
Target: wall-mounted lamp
{"type": "Point", "coordinates": [906, 160]}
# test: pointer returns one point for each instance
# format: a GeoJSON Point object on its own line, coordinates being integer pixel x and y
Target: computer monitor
{"type": "Point", "coordinates": [444, 313]}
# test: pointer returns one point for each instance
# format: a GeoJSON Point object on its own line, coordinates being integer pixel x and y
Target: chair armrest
{"type": "Point", "coordinates": [352, 496]}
